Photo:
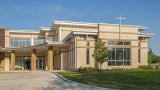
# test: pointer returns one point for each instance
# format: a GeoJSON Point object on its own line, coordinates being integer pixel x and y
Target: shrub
{"type": "Point", "coordinates": [18, 68]}
{"type": "Point", "coordinates": [145, 67]}
{"type": "Point", "coordinates": [86, 69]}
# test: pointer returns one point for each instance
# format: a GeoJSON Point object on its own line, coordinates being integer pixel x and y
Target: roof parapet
{"type": "Point", "coordinates": [94, 24]}
{"type": "Point", "coordinates": [75, 23]}
{"type": "Point", "coordinates": [142, 28]}
{"type": "Point", "coordinates": [45, 28]}
{"type": "Point", "coordinates": [23, 31]}
{"type": "Point", "coordinates": [146, 35]}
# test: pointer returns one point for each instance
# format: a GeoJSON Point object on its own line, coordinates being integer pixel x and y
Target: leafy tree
{"type": "Point", "coordinates": [150, 56]}
{"type": "Point", "coordinates": [156, 59]}
{"type": "Point", "coordinates": [100, 53]}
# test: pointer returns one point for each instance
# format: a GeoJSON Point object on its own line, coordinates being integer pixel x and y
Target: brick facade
{"type": "Point", "coordinates": [2, 37]}
{"type": "Point", "coordinates": [2, 61]}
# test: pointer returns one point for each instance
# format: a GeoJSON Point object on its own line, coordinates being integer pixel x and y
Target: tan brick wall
{"type": "Point", "coordinates": [112, 32]}
{"type": "Point", "coordinates": [144, 56]}
{"type": "Point", "coordinates": [2, 62]}
{"type": "Point", "coordinates": [81, 53]}
{"type": "Point", "coordinates": [2, 37]}
{"type": "Point", "coordinates": [65, 58]}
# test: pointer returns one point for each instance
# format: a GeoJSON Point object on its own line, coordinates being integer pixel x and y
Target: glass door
{"type": "Point", "coordinates": [40, 64]}
{"type": "Point", "coordinates": [27, 65]}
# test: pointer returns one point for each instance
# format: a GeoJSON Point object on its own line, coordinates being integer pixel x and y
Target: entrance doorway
{"type": "Point", "coordinates": [40, 63]}
{"type": "Point", "coordinates": [22, 63]}
{"type": "Point", "coordinates": [27, 65]}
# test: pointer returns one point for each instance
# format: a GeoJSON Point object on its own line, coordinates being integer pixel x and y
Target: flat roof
{"type": "Point", "coordinates": [146, 35]}
{"type": "Point", "coordinates": [94, 24]}
{"type": "Point", "coordinates": [23, 31]}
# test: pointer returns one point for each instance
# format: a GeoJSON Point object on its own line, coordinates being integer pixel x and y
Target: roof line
{"type": "Point", "coordinates": [96, 24]}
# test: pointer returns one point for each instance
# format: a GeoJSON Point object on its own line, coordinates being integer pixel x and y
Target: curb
{"type": "Point", "coordinates": [67, 80]}
{"type": "Point", "coordinates": [61, 77]}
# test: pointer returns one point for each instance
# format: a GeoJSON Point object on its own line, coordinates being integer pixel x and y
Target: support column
{"type": "Point", "coordinates": [61, 59]}
{"type": "Point", "coordinates": [12, 54]}
{"type": "Point", "coordinates": [50, 58]}
{"type": "Point", "coordinates": [46, 62]}
{"type": "Point", "coordinates": [33, 60]}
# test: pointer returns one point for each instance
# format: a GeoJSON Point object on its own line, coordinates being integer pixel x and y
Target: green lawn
{"type": "Point", "coordinates": [123, 80]}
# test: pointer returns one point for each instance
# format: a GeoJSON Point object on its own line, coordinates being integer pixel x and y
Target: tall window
{"type": "Point", "coordinates": [87, 52]}
{"type": "Point", "coordinates": [16, 42]}
{"type": "Point", "coordinates": [119, 56]}
{"type": "Point", "coordinates": [87, 55]}
{"type": "Point", "coordinates": [139, 52]}
{"type": "Point", "coordinates": [139, 55]}
{"type": "Point", "coordinates": [88, 43]}
{"type": "Point", "coordinates": [38, 41]}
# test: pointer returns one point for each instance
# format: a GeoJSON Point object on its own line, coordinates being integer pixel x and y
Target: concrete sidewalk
{"type": "Point", "coordinates": [40, 80]}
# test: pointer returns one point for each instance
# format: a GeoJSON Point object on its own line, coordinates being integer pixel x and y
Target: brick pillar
{"type": "Point", "coordinates": [33, 60]}
{"type": "Point", "coordinates": [46, 62]}
{"type": "Point", "coordinates": [50, 58]}
{"type": "Point", "coordinates": [12, 54]}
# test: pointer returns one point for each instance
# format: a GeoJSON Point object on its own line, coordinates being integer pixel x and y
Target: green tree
{"type": "Point", "coordinates": [100, 53]}
{"type": "Point", "coordinates": [151, 56]}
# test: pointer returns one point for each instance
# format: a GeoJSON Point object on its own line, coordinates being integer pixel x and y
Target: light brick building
{"type": "Point", "coordinates": [70, 45]}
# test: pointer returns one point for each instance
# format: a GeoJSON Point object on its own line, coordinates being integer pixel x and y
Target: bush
{"type": "Point", "coordinates": [18, 68]}
{"type": "Point", "coordinates": [86, 69]}
{"type": "Point", "coordinates": [145, 67]}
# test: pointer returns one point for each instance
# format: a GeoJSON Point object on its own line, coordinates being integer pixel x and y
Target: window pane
{"type": "Point", "coordinates": [119, 63]}
{"type": "Point", "coordinates": [50, 38]}
{"type": "Point", "coordinates": [127, 62]}
{"type": "Point", "coordinates": [27, 43]}
{"type": "Point", "coordinates": [111, 53]}
{"type": "Point", "coordinates": [127, 43]}
{"type": "Point", "coordinates": [16, 44]}
{"type": "Point", "coordinates": [119, 53]}
{"type": "Point", "coordinates": [38, 41]}
{"type": "Point", "coordinates": [119, 43]}
{"type": "Point", "coordinates": [126, 53]}
{"type": "Point", "coordinates": [111, 42]}
{"type": "Point", "coordinates": [11, 42]}
{"type": "Point", "coordinates": [111, 63]}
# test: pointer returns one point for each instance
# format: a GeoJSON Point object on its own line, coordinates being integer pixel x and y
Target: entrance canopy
{"type": "Point", "coordinates": [41, 47]}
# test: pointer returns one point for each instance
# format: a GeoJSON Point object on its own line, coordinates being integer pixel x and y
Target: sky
{"type": "Point", "coordinates": [33, 14]}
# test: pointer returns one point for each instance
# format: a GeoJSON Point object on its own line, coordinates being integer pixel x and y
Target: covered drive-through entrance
{"type": "Point", "coordinates": [40, 57]}
{"type": "Point", "coordinates": [24, 63]}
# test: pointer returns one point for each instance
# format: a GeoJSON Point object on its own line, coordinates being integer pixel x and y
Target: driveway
{"type": "Point", "coordinates": [38, 80]}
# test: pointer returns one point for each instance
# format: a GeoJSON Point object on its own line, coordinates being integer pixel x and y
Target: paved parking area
{"type": "Point", "coordinates": [38, 80]}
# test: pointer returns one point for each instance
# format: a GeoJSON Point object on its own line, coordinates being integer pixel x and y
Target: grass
{"type": "Point", "coordinates": [123, 80]}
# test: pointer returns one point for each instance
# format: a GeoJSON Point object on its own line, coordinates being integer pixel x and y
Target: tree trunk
{"type": "Point", "coordinates": [100, 70]}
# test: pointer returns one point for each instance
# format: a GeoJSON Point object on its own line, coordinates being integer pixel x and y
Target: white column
{"type": "Point", "coordinates": [32, 40]}
{"type": "Point", "coordinates": [46, 35]}
{"type": "Point", "coordinates": [62, 56]}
